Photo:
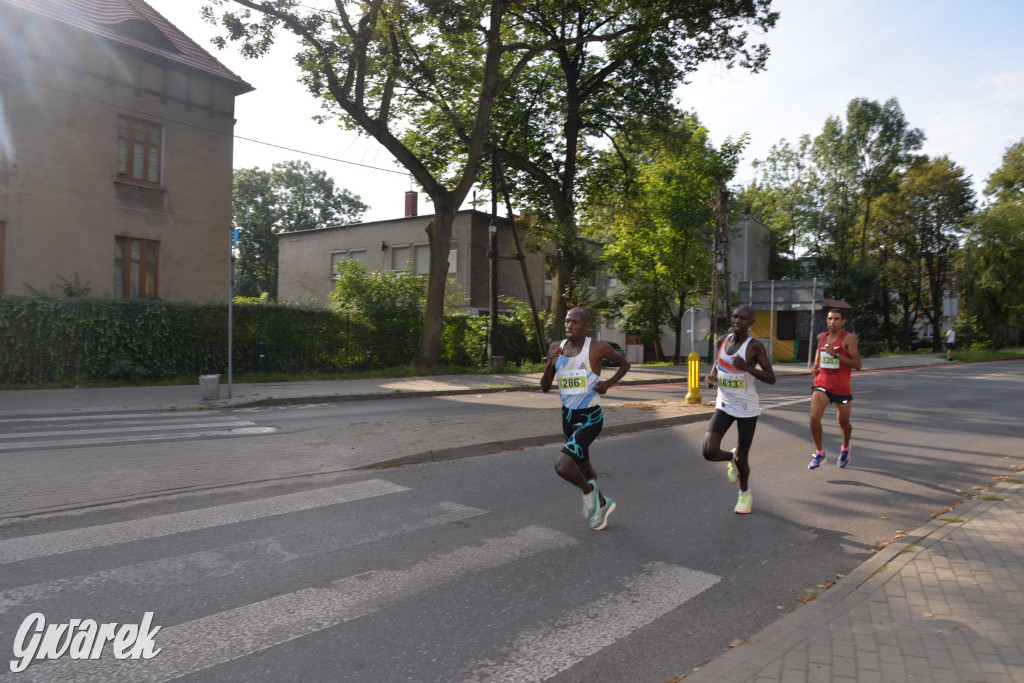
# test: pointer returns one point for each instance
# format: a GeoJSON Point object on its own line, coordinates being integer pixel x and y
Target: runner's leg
{"type": "Point", "coordinates": [819, 401]}
{"type": "Point", "coordinates": [843, 417]}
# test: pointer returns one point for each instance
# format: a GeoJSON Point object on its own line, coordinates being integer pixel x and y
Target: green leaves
{"type": "Point", "coordinates": [290, 196]}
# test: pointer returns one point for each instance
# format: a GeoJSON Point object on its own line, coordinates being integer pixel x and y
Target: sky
{"type": "Point", "coordinates": [956, 68]}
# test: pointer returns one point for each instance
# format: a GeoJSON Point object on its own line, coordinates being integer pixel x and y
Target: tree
{"type": "Point", "coordinates": [422, 78]}
{"type": "Point", "coordinates": [924, 218]}
{"type": "Point", "coordinates": [991, 265]}
{"type": "Point", "coordinates": [290, 196]}
{"type": "Point", "coordinates": [781, 200]}
{"type": "Point", "coordinates": [661, 233]}
{"type": "Point", "coordinates": [881, 141]}
{"type": "Point", "coordinates": [388, 302]}
{"type": "Point", "coordinates": [819, 197]}
{"type": "Point", "coordinates": [600, 93]}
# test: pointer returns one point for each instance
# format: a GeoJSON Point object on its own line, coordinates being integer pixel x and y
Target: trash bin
{"type": "Point", "coordinates": [209, 385]}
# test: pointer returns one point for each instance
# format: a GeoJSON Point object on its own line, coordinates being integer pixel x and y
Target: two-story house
{"type": "Point", "coordinates": [115, 153]}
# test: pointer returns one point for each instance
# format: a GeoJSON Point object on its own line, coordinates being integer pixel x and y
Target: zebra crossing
{"type": "Point", "coordinates": [28, 433]}
{"type": "Point", "coordinates": [370, 555]}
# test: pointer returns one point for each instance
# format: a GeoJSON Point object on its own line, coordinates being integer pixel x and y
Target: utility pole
{"type": "Point", "coordinates": [231, 298]}
{"type": "Point", "coordinates": [492, 229]}
{"type": "Point", "coordinates": [521, 257]}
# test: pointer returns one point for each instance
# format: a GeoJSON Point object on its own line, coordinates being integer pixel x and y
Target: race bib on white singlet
{"type": "Point", "coordinates": [828, 362]}
{"type": "Point", "coordinates": [572, 381]}
{"type": "Point", "coordinates": [731, 381]}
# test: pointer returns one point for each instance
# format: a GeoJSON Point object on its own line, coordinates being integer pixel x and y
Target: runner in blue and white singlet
{"type": "Point", "coordinates": [576, 378]}
{"type": "Point", "coordinates": [575, 364]}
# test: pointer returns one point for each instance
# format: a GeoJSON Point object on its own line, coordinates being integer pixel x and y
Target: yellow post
{"type": "Point", "coordinates": [693, 377]}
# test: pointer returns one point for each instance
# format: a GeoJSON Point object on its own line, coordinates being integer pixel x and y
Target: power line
{"type": "Point", "coordinates": [150, 114]}
{"type": "Point", "coordinates": [162, 214]}
{"type": "Point", "coordinates": [322, 156]}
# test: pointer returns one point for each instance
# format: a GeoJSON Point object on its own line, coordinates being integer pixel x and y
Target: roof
{"type": "Point", "coordinates": [834, 303]}
{"type": "Point", "coordinates": [133, 23]}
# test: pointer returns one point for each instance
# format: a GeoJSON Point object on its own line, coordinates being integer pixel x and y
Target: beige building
{"type": "Point", "coordinates": [115, 152]}
{"type": "Point", "coordinates": [307, 259]}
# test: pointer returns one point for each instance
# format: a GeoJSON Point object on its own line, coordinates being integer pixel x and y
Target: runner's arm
{"type": "Point", "coordinates": [853, 351]}
{"type": "Point", "coordinates": [546, 380]}
{"type": "Point", "coordinates": [817, 355]}
{"type": "Point", "coordinates": [712, 377]}
{"type": "Point", "coordinates": [759, 357]}
{"type": "Point", "coordinates": [603, 350]}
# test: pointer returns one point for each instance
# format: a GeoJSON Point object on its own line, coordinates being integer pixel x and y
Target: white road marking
{"type": "Point", "coordinates": [209, 641]}
{"type": "Point", "coordinates": [43, 545]}
{"type": "Point", "coordinates": [176, 415]}
{"type": "Point", "coordinates": [123, 428]}
{"type": "Point", "coordinates": [541, 653]}
{"type": "Point", "coordinates": [789, 402]}
{"type": "Point", "coordinates": [112, 440]}
{"type": "Point", "coordinates": [195, 568]}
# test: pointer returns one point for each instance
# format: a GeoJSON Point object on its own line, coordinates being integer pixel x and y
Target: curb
{"type": "Point", "coordinates": [341, 398]}
{"type": "Point", "coordinates": [433, 455]}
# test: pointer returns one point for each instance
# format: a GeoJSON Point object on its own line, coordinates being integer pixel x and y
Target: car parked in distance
{"type": "Point", "coordinates": [611, 364]}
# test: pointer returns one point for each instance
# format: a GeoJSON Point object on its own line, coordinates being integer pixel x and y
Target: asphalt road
{"type": "Point", "coordinates": [483, 568]}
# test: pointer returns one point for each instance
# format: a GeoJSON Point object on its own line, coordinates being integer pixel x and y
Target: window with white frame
{"type": "Point", "coordinates": [346, 255]}
{"type": "Point", "coordinates": [421, 259]}
{"type": "Point", "coordinates": [400, 257]}
{"type": "Point", "coordinates": [417, 258]}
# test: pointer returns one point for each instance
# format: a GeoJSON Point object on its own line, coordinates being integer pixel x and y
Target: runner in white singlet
{"type": "Point", "coordinates": [734, 371]}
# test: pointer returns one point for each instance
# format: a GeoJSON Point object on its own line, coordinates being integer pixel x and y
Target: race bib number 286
{"type": "Point", "coordinates": [572, 381]}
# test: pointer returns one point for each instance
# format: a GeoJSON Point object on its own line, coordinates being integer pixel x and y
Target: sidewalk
{"type": "Point", "coordinates": [39, 402]}
{"type": "Point", "coordinates": [945, 603]}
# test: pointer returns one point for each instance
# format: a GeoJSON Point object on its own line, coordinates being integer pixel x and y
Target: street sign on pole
{"type": "Point", "coordinates": [696, 325]}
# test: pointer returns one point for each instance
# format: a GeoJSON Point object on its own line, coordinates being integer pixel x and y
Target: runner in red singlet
{"type": "Point", "coordinates": [837, 356]}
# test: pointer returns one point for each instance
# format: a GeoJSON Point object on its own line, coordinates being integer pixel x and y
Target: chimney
{"type": "Point", "coordinates": [410, 203]}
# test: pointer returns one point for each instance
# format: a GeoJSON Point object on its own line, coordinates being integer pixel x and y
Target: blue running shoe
{"type": "Point", "coordinates": [600, 518]}
{"type": "Point", "coordinates": [844, 457]}
{"type": "Point", "coordinates": [590, 500]}
{"type": "Point", "coordinates": [816, 461]}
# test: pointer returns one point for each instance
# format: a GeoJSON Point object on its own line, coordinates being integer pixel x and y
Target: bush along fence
{"type": "Point", "coordinates": [47, 340]}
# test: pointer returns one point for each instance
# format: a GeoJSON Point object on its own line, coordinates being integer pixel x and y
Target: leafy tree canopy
{"type": "Point", "coordinates": [290, 196]}
{"type": "Point", "coordinates": [664, 224]}
{"type": "Point", "coordinates": [423, 77]}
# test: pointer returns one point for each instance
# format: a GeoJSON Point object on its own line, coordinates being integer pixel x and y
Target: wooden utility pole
{"type": "Point", "coordinates": [720, 207]}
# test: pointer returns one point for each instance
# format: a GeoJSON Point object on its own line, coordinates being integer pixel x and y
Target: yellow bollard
{"type": "Point", "coordinates": [693, 377]}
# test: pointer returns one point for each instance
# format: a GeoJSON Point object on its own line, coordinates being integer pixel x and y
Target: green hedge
{"type": "Point", "coordinates": [55, 341]}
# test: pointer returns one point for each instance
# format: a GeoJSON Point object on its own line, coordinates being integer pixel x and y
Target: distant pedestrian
{"type": "Point", "coordinates": [735, 371]}
{"type": "Point", "coordinates": [576, 363]}
{"type": "Point", "coordinates": [950, 342]}
{"type": "Point", "coordinates": [837, 356]}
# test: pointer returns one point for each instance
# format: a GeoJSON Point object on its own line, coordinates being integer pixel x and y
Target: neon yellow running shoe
{"type": "Point", "coordinates": [731, 470]}
{"type": "Point", "coordinates": [743, 503]}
